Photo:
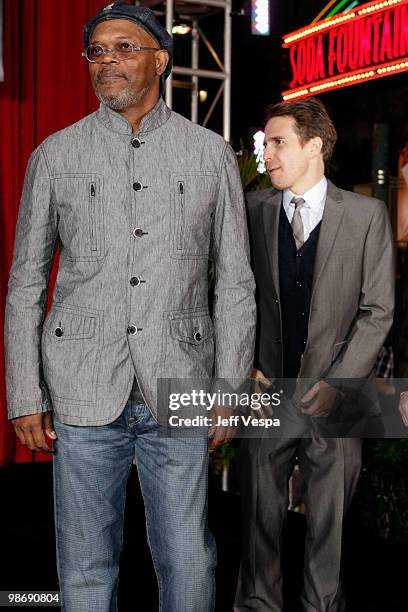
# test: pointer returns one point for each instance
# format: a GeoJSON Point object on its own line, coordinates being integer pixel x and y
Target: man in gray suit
{"type": "Point", "coordinates": [323, 264]}
{"type": "Point", "coordinates": [137, 198]}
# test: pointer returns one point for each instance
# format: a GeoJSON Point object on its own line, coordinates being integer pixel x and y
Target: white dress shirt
{"type": "Point", "coordinates": [312, 211]}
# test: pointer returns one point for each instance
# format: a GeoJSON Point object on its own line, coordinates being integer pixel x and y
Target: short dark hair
{"type": "Point", "coordinates": [311, 120]}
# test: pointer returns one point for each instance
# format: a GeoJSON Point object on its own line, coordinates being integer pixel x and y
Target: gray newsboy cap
{"type": "Point", "coordinates": [141, 16]}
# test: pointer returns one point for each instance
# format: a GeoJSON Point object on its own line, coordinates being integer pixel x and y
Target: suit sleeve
{"type": "Point", "coordinates": [374, 318]}
{"type": "Point", "coordinates": [34, 249]}
{"type": "Point", "coordinates": [234, 309]}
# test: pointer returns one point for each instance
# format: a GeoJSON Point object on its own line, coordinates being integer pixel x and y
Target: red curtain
{"type": "Point", "coordinates": [46, 87]}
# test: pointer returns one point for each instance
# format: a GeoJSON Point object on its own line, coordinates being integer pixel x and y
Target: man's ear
{"type": "Point", "coordinates": [162, 59]}
{"type": "Point", "coordinates": [315, 146]}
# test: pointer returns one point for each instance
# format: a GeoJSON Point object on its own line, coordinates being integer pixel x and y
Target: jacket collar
{"type": "Point", "coordinates": [117, 123]}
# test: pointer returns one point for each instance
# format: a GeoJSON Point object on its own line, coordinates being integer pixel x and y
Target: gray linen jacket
{"type": "Point", "coordinates": [136, 218]}
{"type": "Point", "coordinates": [352, 300]}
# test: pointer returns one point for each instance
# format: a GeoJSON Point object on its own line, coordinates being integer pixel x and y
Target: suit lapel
{"type": "Point", "coordinates": [332, 215]}
{"type": "Point", "coordinates": [271, 210]}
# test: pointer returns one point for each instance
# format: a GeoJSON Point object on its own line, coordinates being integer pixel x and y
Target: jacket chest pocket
{"type": "Point", "coordinates": [193, 201]}
{"type": "Point", "coordinates": [79, 199]}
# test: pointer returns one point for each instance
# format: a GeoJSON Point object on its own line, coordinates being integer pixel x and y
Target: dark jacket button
{"type": "Point", "coordinates": [278, 340]}
{"type": "Point", "coordinates": [136, 143]}
{"type": "Point", "coordinates": [135, 281]}
{"type": "Point", "coordinates": [137, 186]}
{"type": "Point", "coordinates": [132, 329]}
{"type": "Point", "coordinates": [197, 336]}
{"type": "Point", "coordinates": [137, 232]}
{"type": "Point", "coordinates": [59, 332]}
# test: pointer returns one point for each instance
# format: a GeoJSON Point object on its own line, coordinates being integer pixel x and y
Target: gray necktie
{"type": "Point", "coordinates": [297, 223]}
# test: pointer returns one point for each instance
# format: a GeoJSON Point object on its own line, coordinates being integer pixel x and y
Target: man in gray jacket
{"type": "Point", "coordinates": [323, 264]}
{"type": "Point", "coordinates": [138, 199]}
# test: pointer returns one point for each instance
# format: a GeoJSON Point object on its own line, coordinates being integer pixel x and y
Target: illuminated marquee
{"type": "Point", "coordinates": [366, 44]}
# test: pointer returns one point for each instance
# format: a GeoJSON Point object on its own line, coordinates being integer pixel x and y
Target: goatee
{"type": "Point", "coordinates": [121, 100]}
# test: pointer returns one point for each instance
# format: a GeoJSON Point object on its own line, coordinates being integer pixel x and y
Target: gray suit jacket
{"type": "Point", "coordinates": [352, 299]}
{"type": "Point", "coordinates": [136, 221]}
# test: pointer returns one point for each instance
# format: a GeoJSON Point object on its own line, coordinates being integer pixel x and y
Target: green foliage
{"type": "Point", "coordinates": [383, 489]}
{"type": "Point", "coordinates": [222, 456]}
{"type": "Point", "coordinates": [251, 179]}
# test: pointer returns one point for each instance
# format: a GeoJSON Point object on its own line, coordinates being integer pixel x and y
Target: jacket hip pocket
{"type": "Point", "coordinates": [70, 352]}
{"type": "Point", "coordinates": [190, 346]}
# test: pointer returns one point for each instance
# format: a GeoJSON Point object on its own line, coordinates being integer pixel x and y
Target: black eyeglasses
{"type": "Point", "coordinates": [122, 51]}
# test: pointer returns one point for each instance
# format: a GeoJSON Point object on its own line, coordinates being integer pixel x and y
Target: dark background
{"type": "Point", "coordinates": [261, 71]}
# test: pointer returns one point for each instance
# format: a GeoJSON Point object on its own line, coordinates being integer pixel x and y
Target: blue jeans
{"type": "Point", "coordinates": [91, 469]}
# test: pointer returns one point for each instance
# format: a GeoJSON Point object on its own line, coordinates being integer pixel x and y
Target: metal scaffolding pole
{"type": "Point", "coordinates": [169, 28]}
{"type": "Point", "coordinates": [190, 10]}
{"type": "Point", "coordinates": [195, 40]}
{"type": "Point", "coordinates": [227, 72]}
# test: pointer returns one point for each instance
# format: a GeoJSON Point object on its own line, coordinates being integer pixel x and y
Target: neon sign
{"type": "Point", "coordinates": [360, 45]}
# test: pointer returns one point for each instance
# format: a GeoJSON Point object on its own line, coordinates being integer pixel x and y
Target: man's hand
{"type": "Point", "coordinates": [259, 381]}
{"type": "Point", "coordinates": [222, 433]}
{"type": "Point", "coordinates": [32, 429]}
{"type": "Point", "coordinates": [403, 407]}
{"type": "Point", "coordinates": [320, 400]}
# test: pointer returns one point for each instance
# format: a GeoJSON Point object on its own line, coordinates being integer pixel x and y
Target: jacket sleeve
{"type": "Point", "coordinates": [234, 309]}
{"type": "Point", "coordinates": [34, 249]}
{"type": "Point", "coordinates": [374, 318]}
